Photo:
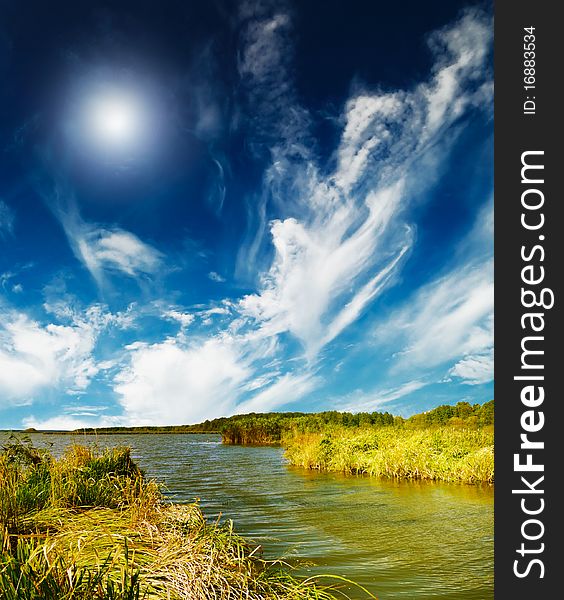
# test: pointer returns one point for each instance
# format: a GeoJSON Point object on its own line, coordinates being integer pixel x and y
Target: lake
{"type": "Point", "coordinates": [398, 539]}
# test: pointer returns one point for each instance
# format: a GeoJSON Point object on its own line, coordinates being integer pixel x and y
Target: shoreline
{"type": "Point", "coordinates": [89, 525]}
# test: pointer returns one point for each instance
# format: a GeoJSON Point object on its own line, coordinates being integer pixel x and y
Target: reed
{"type": "Point", "coordinates": [441, 453]}
{"type": "Point", "coordinates": [89, 525]}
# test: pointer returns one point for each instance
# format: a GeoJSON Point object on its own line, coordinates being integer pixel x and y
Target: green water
{"type": "Point", "coordinates": [398, 539]}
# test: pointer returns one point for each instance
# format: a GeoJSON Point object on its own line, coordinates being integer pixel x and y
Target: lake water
{"type": "Point", "coordinates": [398, 539]}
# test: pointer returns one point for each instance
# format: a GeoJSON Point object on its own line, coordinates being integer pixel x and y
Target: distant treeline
{"type": "Point", "coordinates": [270, 428]}
{"type": "Point", "coordinates": [267, 428]}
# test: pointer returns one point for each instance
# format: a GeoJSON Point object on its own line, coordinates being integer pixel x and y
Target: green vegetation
{"type": "Point", "coordinates": [443, 453]}
{"type": "Point", "coordinates": [271, 428]}
{"type": "Point", "coordinates": [448, 443]}
{"type": "Point", "coordinates": [89, 526]}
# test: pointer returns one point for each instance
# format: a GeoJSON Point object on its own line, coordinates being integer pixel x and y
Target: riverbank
{"type": "Point", "coordinates": [448, 443]}
{"type": "Point", "coordinates": [89, 525]}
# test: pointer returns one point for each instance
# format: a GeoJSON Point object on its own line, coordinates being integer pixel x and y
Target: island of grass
{"type": "Point", "coordinates": [448, 443]}
{"type": "Point", "coordinates": [90, 526]}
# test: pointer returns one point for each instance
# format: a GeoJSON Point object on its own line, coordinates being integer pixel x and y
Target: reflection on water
{"type": "Point", "coordinates": [398, 539]}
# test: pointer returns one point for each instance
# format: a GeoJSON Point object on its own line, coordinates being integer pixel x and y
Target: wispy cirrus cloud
{"type": "Point", "coordinates": [316, 267]}
{"type": "Point", "coordinates": [348, 229]}
{"type": "Point", "coordinates": [375, 399]}
{"type": "Point", "coordinates": [286, 389]}
{"type": "Point", "coordinates": [276, 124]}
{"type": "Point", "coordinates": [387, 132]}
{"type": "Point", "coordinates": [265, 62]}
{"type": "Point", "coordinates": [105, 250]}
{"type": "Point", "coordinates": [449, 320]}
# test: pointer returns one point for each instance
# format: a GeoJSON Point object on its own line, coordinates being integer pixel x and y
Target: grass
{"type": "Point", "coordinates": [440, 453]}
{"type": "Point", "coordinates": [448, 443]}
{"type": "Point", "coordinates": [90, 526]}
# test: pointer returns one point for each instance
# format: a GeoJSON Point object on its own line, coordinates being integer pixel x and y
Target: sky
{"type": "Point", "coordinates": [211, 208]}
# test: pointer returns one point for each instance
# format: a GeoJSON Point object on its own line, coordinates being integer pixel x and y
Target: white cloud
{"type": "Point", "coordinates": [375, 399]}
{"type": "Point", "coordinates": [170, 383]}
{"type": "Point", "coordinates": [186, 380]}
{"type": "Point", "coordinates": [104, 250]}
{"type": "Point", "coordinates": [185, 319]}
{"type": "Point", "coordinates": [35, 356]}
{"type": "Point", "coordinates": [351, 311]}
{"type": "Point", "coordinates": [450, 319]}
{"type": "Point", "coordinates": [462, 50]}
{"type": "Point", "coordinates": [122, 251]}
{"type": "Point", "coordinates": [475, 369]}
{"type": "Point", "coordinates": [388, 131]}
{"type": "Point", "coordinates": [265, 56]}
{"type": "Point", "coordinates": [445, 320]}
{"type": "Point", "coordinates": [368, 121]}
{"type": "Point", "coordinates": [264, 46]}
{"type": "Point", "coordinates": [70, 422]}
{"type": "Point", "coordinates": [116, 250]}
{"type": "Point", "coordinates": [317, 268]}
{"type": "Point", "coordinates": [67, 309]}
{"type": "Point", "coordinates": [285, 390]}
{"type": "Point", "coordinates": [347, 230]}
{"type": "Point", "coordinates": [216, 277]}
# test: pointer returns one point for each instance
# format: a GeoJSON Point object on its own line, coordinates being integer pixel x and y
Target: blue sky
{"type": "Point", "coordinates": [216, 208]}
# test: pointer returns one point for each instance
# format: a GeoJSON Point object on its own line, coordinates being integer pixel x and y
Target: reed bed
{"type": "Point", "coordinates": [90, 526]}
{"type": "Point", "coordinates": [446, 453]}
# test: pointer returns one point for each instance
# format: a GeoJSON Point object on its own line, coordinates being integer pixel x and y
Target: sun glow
{"type": "Point", "coordinates": [115, 119]}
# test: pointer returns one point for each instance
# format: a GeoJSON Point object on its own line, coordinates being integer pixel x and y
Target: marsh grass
{"type": "Point", "coordinates": [442, 453]}
{"type": "Point", "coordinates": [90, 526]}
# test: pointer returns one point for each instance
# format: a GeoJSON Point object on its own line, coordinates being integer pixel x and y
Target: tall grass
{"type": "Point", "coordinates": [259, 431]}
{"type": "Point", "coordinates": [441, 453]}
{"type": "Point", "coordinates": [90, 526]}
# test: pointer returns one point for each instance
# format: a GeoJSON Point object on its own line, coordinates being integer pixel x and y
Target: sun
{"type": "Point", "coordinates": [115, 120]}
